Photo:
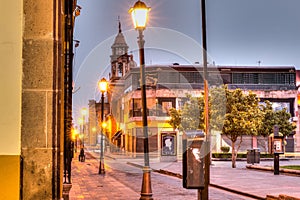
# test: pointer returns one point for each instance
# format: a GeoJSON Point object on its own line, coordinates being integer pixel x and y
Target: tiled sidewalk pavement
{"type": "Point", "coordinates": [252, 182]}
{"type": "Point", "coordinates": [258, 183]}
{"type": "Point", "coordinates": [87, 184]}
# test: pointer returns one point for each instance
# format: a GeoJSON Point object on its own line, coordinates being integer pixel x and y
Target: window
{"type": "Point", "coordinates": [137, 107]}
{"type": "Point", "coordinates": [164, 105]}
{"type": "Point", "coordinates": [263, 78]}
{"type": "Point", "coordinates": [191, 77]}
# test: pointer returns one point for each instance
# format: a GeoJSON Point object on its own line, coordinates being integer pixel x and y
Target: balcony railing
{"type": "Point", "coordinates": [150, 112]}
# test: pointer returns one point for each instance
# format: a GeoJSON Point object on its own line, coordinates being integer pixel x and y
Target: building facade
{"type": "Point", "coordinates": [36, 61]}
{"type": "Point", "coordinates": [168, 86]}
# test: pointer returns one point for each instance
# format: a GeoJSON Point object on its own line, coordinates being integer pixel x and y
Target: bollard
{"type": "Point", "coordinates": [276, 163]}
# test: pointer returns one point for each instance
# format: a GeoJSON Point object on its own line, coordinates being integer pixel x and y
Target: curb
{"type": "Point", "coordinates": [237, 192]}
{"type": "Point", "coordinates": [286, 171]}
{"type": "Point", "coordinates": [255, 167]}
{"type": "Point", "coordinates": [212, 185]}
{"type": "Point", "coordinates": [245, 159]}
{"type": "Point", "coordinates": [177, 175]}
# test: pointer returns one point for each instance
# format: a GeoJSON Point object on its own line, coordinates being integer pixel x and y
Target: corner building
{"type": "Point", "coordinates": [167, 86]}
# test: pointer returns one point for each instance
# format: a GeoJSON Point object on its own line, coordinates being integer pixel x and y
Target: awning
{"type": "Point", "coordinates": [117, 135]}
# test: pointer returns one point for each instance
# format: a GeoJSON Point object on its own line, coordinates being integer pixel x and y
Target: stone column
{"type": "Point", "coordinates": [41, 132]}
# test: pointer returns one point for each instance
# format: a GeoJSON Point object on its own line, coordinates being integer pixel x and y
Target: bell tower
{"type": "Point", "coordinates": [119, 48]}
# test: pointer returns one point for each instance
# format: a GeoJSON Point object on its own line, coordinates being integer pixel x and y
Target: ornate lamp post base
{"type": "Point", "coordinates": [146, 192]}
{"type": "Point", "coordinates": [101, 167]}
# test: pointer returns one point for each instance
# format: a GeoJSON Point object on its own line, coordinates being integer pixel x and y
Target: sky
{"type": "Point", "coordinates": [239, 32]}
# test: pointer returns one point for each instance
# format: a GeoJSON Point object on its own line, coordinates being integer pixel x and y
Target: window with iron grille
{"type": "Point", "coordinates": [263, 78]}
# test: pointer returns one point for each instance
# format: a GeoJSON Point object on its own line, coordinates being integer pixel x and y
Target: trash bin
{"type": "Point", "coordinates": [256, 155]}
{"type": "Point", "coordinates": [253, 156]}
{"type": "Point", "coordinates": [250, 156]}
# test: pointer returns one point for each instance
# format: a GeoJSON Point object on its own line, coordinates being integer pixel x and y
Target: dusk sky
{"type": "Point", "coordinates": [239, 32]}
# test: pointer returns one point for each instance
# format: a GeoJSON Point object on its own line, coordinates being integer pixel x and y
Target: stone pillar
{"type": "Point", "coordinates": [41, 124]}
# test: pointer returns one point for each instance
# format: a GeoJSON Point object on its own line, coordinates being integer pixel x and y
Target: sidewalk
{"type": "Point", "coordinates": [93, 188]}
{"type": "Point", "coordinates": [241, 180]}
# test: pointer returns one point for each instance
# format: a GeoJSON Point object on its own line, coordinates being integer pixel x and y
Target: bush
{"type": "Point", "coordinates": [239, 155]}
{"type": "Point", "coordinates": [225, 149]}
{"type": "Point", "coordinates": [221, 155]}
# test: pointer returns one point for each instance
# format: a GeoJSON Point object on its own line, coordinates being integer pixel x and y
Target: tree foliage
{"type": "Point", "coordinates": [272, 118]}
{"type": "Point", "coordinates": [233, 112]}
{"type": "Point", "coordinates": [192, 117]}
{"type": "Point", "coordinates": [175, 120]}
{"type": "Point", "coordinates": [243, 116]}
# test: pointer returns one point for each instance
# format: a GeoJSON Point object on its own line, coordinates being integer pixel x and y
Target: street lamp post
{"type": "Point", "coordinates": [102, 84]}
{"type": "Point", "coordinates": [205, 193]}
{"type": "Point", "coordinates": [80, 122]}
{"type": "Point", "coordinates": [83, 113]}
{"type": "Point", "coordinates": [139, 13]}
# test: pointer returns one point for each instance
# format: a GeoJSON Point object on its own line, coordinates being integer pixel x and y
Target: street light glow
{"type": "Point", "coordinates": [139, 14]}
{"type": "Point", "coordinates": [103, 85]}
{"type": "Point", "coordinates": [74, 133]}
{"type": "Point", "coordinates": [104, 125]}
{"type": "Point", "coordinates": [84, 111]}
{"type": "Point", "coordinates": [80, 121]}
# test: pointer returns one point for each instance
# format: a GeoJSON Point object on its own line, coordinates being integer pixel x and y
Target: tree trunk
{"type": "Point", "coordinates": [233, 156]}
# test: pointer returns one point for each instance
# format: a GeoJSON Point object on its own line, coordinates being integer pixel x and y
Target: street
{"type": "Point", "coordinates": [123, 181]}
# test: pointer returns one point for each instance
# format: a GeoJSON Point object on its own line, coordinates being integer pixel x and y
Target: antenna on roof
{"type": "Point", "coordinates": [259, 63]}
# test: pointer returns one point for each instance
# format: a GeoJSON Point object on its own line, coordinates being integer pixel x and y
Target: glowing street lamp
{"type": "Point", "coordinates": [139, 14]}
{"type": "Point", "coordinates": [74, 132]}
{"type": "Point", "coordinates": [103, 86]}
{"type": "Point", "coordinates": [80, 122]}
{"type": "Point", "coordinates": [83, 113]}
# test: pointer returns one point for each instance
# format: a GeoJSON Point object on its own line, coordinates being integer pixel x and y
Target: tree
{"type": "Point", "coordinates": [191, 117]}
{"type": "Point", "coordinates": [242, 117]}
{"type": "Point", "coordinates": [272, 118]}
{"type": "Point", "coordinates": [175, 120]}
{"type": "Point", "coordinates": [217, 107]}
{"type": "Point", "coordinates": [230, 111]}
{"type": "Point", "coordinates": [283, 121]}
{"type": "Point", "coordinates": [192, 114]}
{"type": "Point", "coordinates": [268, 120]}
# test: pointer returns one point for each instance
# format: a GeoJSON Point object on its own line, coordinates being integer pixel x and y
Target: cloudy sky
{"type": "Point", "coordinates": [239, 32]}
